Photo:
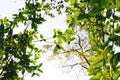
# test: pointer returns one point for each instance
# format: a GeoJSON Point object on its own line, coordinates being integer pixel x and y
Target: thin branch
{"type": "Point", "coordinates": [79, 42]}
{"type": "Point", "coordinates": [84, 58]}
{"type": "Point", "coordinates": [75, 65]}
{"type": "Point", "coordinates": [84, 66]}
{"type": "Point", "coordinates": [71, 65]}
{"type": "Point", "coordinates": [6, 64]}
{"type": "Point", "coordinates": [44, 40]}
{"type": "Point", "coordinates": [77, 76]}
{"type": "Point", "coordinates": [27, 26]}
{"type": "Point", "coordinates": [71, 50]}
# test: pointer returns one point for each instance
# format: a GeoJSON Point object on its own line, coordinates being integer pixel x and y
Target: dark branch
{"type": "Point", "coordinates": [27, 26]}
{"type": "Point", "coordinates": [75, 65]}
{"type": "Point", "coordinates": [44, 40]}
{"type": "Point", "coordinates": [79, 42]}
{"type": "Point", "coordinates": [84, 58]}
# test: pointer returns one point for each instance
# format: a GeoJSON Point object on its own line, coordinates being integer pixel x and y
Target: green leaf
{"type": "Point", "coordinates": [97, 77]}
{"type": "Point", "coordinates": [105, 44]}
{"type": "Point", "coordinates": [117, 29]}
{"type": "Point", "coordinates": [95, 11]}
{"type": "Point", "coordinates": [97, 60]}
{"type": "Point", "coordinates": [31, 46]}
{"type": "Point", "coordinates": [66, 0]}
{"type": "Point", "coordinates": [115, 59]}
{"type": "Point", "coordinates": [59, 31]}
{"type": "Point", "coordinates": [39, 20]}
{"type": "Point", "coordinates": [73, 2]}
{"type": "Point", "coordinates": [116, 17]}
{"type": "Point", "coordinates": [57, 47]}
{"type": "Point", "coordinates": [108, 13]}
{"type": "Point", "coordinates": [116, 76]}
{"type": "Point", "coordinates": [40, 65]}
{"type": "Point", "coordinates": [33, 74]}
{"type": "Point", "coordinates": [114, 37]}
{"type": "Point", "coordinates": [108, 49]}
{"type": "Point", "coordinates": [41, 36]}
{"type": "Point", "coordinates": [40, 70]}
{"type": "Point", "coordinates": [23, 71]}
{"type": "Point", "coordinates": [94, 71]}
{"type": "Point", "coordinates": [54, 31]}
{"type": "Point", "coordinates": [104, 3]}
{"type": "Point", "coordinates": [118, 56]}
{"type": "Point", "coordinates": [37, 74]}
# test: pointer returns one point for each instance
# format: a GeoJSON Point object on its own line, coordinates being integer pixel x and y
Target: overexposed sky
{"type": "Point", "coordinates": [51, 69]}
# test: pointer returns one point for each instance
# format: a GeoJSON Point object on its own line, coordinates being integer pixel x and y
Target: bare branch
{"type": "Point", "coordinates": [45, 40]}
{"type": "Point", "coordinates": [79, 42]}
{"type": "Point", "coordinates": [75, 65]}
{"type": "Point", "coordinates": [71, 65]}
{"type": "Point", "coordinates": [84, 58]}
{"type": "Point", "coordinates": [27, 26]}
{"type": "Point", "coordinates": [77, 76]}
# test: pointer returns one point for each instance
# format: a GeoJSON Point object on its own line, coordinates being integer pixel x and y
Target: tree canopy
{"type": "Point", "coordinates": [18, 54]}
{"type": "Point", "coordinates": [92, 34]}
{"type": "Point", "coordinates": [101, 20]}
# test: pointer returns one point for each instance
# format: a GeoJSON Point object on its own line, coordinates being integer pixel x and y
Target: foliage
{"type": "Point", "coordinates": [18, 54]}
{"type": "Point", "coordinates": [101, 20]}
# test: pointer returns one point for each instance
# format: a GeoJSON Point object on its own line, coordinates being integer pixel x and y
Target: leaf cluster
{"type": "Point", "coordinates": [18, 54]}
{"type": "Point", "coordinates": [100, 20]}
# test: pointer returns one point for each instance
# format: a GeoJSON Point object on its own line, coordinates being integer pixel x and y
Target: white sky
{"type": "Point", "coordinates": [51, 69]}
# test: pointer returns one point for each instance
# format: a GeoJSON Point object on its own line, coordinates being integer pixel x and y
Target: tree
{"type": "Point", "coordinates": [18, 54]}
{"type": "Point", "coordinates": [101, 20]}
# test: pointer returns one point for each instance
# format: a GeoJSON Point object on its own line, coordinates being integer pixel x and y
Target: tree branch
{"type": "Point", "coordinates": [75, 65]}
{"type": "Point", "coordinates": [79, 42]}
{"type": "Point", "coordinates": [77, 76]}
{"type": "Point", "coordinates": [84, 58]}
{"type": "Point", "coordinates": [27, 26]}
{"type": "Point", "coordinates": [45, 40]}
{"type": "Point", "coordinates": [10, 57]}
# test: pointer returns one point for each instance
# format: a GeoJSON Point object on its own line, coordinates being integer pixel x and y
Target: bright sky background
{"type": "Point", "coordinates": [52, 69]}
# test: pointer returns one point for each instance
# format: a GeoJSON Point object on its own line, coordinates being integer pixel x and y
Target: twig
{"type": "Point", "coordinates": [71, 65]}
{"type": "Point", "coordinates": [27, 26]}
{"type": "Point", "coordinates": [79, 42]}
{"type": "Point", "coordinates": [6, 64]}
{"type": "Point", "coordinates": [77, 76]}
{"type": "Point", "coordinates": [84, 58]}
{"type": "Point", "coordinates": [45, 40]}
{"type": "Point", "coordinates": [75, 65]}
